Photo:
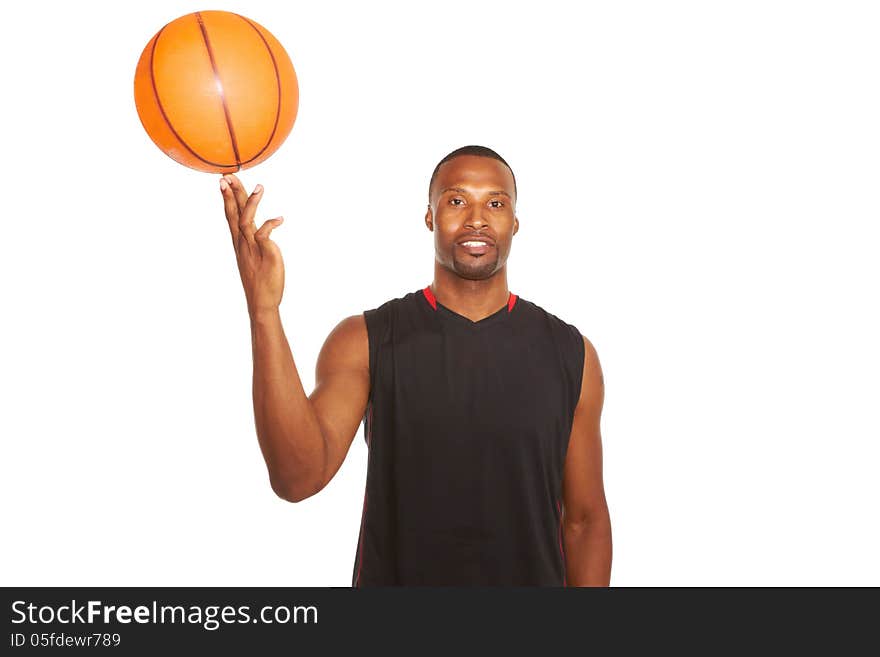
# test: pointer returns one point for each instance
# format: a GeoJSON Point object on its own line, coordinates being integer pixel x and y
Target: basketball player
{"type": "Point", "coordinates": [481, 409]}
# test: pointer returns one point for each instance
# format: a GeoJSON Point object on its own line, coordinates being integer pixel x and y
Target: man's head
{"type": "Point", "coordinates": [472, 197]}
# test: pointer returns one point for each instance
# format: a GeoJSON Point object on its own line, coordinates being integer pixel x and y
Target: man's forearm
{"type": "Point", "coordinates": [588, 552]}
{"type": "Point", "coordinates": [287, 427]}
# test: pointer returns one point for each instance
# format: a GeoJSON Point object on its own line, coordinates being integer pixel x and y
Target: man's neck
{"type": "Point", "coordinates": [475, 300]}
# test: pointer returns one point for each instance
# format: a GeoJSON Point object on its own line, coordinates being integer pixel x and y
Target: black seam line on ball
{"type": "Point", "coordinates": [219, 84]}
{"type": "Point", "coordinates": [277, 85]}
{"type": "Point", "coordinates": [165, 116]}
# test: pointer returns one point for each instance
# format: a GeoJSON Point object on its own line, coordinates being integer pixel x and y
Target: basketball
{"type": "Point", "coordinates": [216, 91]}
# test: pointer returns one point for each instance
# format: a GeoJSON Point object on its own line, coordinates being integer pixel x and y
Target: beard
{"type": "Point", "coordinates": [476, 268]}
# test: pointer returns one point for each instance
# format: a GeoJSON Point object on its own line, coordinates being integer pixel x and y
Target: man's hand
{"type": "Point", "coordinates": [259, 258]}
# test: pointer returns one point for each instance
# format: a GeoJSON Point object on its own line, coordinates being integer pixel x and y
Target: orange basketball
{"type": "Point", "coordinates": [216, 91]}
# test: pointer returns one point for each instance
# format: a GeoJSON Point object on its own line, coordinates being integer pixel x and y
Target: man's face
{"type": "Point", "coordinates": [472, 199]}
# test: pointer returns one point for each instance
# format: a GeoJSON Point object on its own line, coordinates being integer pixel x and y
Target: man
{"type": "Point", "coordinates": [481, 410]}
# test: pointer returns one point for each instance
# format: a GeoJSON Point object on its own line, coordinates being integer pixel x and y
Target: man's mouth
{"type": "Point", "coordinates": [475, 247]}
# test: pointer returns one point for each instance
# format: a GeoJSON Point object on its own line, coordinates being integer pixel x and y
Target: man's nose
{"type": "Point", "coordinates": [476, 217]}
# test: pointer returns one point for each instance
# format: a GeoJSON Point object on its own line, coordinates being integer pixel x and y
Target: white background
{"type": "Point", "coordinates": [698, 195]}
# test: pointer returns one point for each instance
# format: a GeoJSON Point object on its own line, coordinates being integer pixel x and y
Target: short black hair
{"type": "Point", "coordinates": [482, 151]}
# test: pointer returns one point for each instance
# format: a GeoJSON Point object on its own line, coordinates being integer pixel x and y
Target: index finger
{"type": "Point", "coordinates": [230, 206]}
{"type": "Point", "coordinates": [238, 190]}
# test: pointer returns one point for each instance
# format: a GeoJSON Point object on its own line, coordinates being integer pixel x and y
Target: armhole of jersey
{"type": "Point", "coordinates": [369, 316]}
{"type": "Point", "coordinates": [376, 320]}
{"type": "Point", "coordinates": [581, 349]}
{"type": "Point", "coordinates": [575, 371]}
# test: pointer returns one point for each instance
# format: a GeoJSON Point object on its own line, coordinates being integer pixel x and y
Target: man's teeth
{"type": "Point", "coordinates": [473, 243]}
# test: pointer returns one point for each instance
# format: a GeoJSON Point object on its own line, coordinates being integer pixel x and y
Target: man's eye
{"type": "Point", "coordinates": [455, 201]}
{"type": "Point", "coordinates": [500, 204]}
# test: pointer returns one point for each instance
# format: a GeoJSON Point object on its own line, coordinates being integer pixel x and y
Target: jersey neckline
{"type": "Point", "coordinates": [502, 312]}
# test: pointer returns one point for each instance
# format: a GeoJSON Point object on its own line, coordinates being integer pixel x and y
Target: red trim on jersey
{"type": "Point", "coordinates": [561, 551]}
{"type": "Point", "coordinates": [429, 295]}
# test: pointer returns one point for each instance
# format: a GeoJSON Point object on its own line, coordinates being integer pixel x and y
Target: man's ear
{"type": "Point", "coordinates": [429, 218]}
{"type": "Point", "coordinates": [515, 225]}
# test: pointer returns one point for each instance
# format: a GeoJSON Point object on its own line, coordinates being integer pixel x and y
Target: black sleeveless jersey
{"type": "Point", "coordinates": [467, 427]}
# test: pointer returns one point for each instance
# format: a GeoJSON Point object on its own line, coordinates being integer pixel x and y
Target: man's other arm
{"type": "Point", "coordinates": [586, 521]}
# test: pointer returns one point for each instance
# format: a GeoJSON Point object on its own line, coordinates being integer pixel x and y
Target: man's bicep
{"type": "Point", "coordinates": [583, 487]}
{"type": "Point", "coordinates": [342, 388]}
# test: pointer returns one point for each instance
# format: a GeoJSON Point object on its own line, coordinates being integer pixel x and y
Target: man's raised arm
{"type": "Point", "coordinates": [303, 439]}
